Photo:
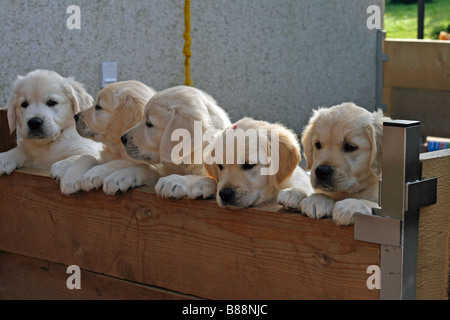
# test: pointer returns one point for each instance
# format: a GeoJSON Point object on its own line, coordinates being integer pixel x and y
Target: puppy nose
{"type": "Point", "coordinates": [226, 194]}
{"type": "Point", "coordinates": [324, 172]}
{"type": "Point", "coordinates": [35, 123]}
{"type": "Point", "coordinates": [77, 116]}
{"type": "Point", "coordinates": [124, 139]}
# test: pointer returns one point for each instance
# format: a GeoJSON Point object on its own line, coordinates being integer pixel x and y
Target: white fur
{"type": "Point", "coordinates": [347, 139]}
{"type": "Point", "coordinates": [118, 107]}
{"type": "Point", "coordinates": [150, 140]}
{"type": "Point", "coordinates": [249, 186]}
{"type": "Point", "coordinates": [57, 138]}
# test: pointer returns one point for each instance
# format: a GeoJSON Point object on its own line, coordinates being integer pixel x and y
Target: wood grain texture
{"type": "Point", "coordinates": [434, 231]}
{"type": "Point", "coordinates": [186, 246]}
{"type": "Point", "coordinates": [24, 278]}
{"type": "Point", "coordinates": [416, 83]}
{"type": "Point", "coordinates": [417, 64]}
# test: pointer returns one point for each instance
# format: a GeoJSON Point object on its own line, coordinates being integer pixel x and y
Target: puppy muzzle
{"type": "Point", "coordinates": [227, 195]}
{"type": "Point", "coordinates": [323, 178]}
{"type": "Point", "coordinates": [37, 129]}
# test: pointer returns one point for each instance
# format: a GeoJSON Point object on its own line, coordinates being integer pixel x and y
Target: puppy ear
{"type": "Point", "coordinates": [180, 118]}
{"type": "Point", "coordinates": [79, 98]}
{"type": "Point", "coordinates": [126, 115]}
{"type": "Point", "coordinates": [288, 154]}
{"type": "Point", "coordinates": [12, 105]}
{"type": "Point", "coordinates": [308, 145]}
{"type": "Point", "coordinates": [375, 134]}
{"type": "Point", "coordinates": [212, 171]}
{"type": "Point", "coordinates": [12, 109]}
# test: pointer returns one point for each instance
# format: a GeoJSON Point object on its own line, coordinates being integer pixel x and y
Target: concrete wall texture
{"type": "Point", "coordinates": [271, 60]}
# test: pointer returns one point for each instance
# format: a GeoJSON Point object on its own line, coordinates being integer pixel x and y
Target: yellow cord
{"type": "Point", "coordinates": [187, 44]}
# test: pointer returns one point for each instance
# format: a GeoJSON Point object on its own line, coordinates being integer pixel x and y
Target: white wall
{"type": "Point", "coordinates": [272, 60]}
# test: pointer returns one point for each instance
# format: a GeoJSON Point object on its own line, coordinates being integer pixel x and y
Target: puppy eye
{"type": "Point", "coordinates": [97, 107]}
{"type": "Point", "coordinates": [149, 124]}
{"type": "Point", "coordinates": [51, 103]}
{"type": "Point", "coordinates": [25, 104]}
{"type": "Point", "coordinates": [318, 145]}
{"type": "Point", "coordinates": [220, 167]}
{"type": "Point", "coordinates": [247, 166]}
{"type": "Point", "coordinates": [348, 147]}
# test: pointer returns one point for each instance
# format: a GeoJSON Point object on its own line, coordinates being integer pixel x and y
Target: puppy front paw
{"type": "Point", "coordinates": [70, 186]}
{"type": "Point", "coordinates": [120, 181]}
{"type": "Point", "coordinates": [290, 198]}
{"type": "Point", "coordinates": [59, 169]}
{"type": "Point", "coordinates": [7, 166]}
{"type": "Point", "coordinates": [344, 211]}
{"type": "Point", "coordinates": [173, 186]}
{"type": "Point", "coordinates": [93, 179]}
{"type": "Point", "coordinates": [202, 188]}
{"type": "Point", "coordinates": [317, 206]}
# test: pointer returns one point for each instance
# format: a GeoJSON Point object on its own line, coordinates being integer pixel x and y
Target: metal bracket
{"type": "Point", "coordinates": [385, 230]}
{"type": "Point", "coordinates": [377, 229]}
{"type": "Point", "coordinates": [395, 225]}
{"type": "Point", "coordinates": [420, 194]}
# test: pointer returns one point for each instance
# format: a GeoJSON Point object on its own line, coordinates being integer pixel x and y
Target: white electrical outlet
{"type": "Point", "coordinates": [108, 73]}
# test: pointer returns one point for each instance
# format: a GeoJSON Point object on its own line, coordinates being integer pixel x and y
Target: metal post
{"type": "Point", "coordinates": [401, 141]}
{"type": "Point", "coordinates": [421, 17]}
{"type": "Point", "coordinates": [380, 58]}
{"type": "Point", "coordinates": [395, 226]}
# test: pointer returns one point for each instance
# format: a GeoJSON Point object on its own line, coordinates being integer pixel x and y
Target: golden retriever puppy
{"type": "Point", "coordinates": [343, 147]}
{"type": "Point", "coordinates": [41, 107]}
{"type": "Point", "coordinates": [253, 161]}
{"type": "Point", "coordinates": [178, 116]}
{"type": "Point", "coordinates": [119, 107]}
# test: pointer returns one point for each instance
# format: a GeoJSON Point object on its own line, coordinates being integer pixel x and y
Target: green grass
{"type": "Point", "coordinates": [400, 20]}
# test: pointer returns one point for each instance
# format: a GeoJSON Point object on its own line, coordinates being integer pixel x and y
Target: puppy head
{"type": "Point", "coordinates": [238, 162]}
{"type": "Point", "coordinates": [175, 110]}
{"type": "Point", "coordinates": [342, 145]}
{"type": "Point", "coordinates": [42, 104]}
{"type": "Point", "coordinates": [119, 106]}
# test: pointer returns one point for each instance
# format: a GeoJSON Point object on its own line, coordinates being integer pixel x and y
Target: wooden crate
{"type": "Point", "coordinates": [138, 246]}
{"type": "Point", "coordinates": [188, 247]}
{"type": "Point", "coordinates": [416, 83]}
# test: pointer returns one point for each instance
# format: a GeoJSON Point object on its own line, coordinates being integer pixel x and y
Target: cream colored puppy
{"type": "Point", "coordinates": [253, 161]}
{"type": "Point", "coordinates": [343, 147]}
{"type": "Point", "coordinates": [176, 116]}
{"type": "Point", "coordinates": [119, 106]}
{"type": "Point", "coordinates": [41, 107]}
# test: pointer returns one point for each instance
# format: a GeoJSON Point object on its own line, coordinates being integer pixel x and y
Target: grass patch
{"type": "Point", "coordinates": [400, 20]}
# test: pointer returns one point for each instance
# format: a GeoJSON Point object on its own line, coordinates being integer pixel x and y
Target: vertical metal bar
{"type": "Point", "coordinates": [380, 58]}
{"type": "Point", "coordinates": [413, 170]}
{"type": "Point", "coordinates": [421, 17]}
{"type": "Point", "coordinates": [400, 165]}
{"type": "Point", "coordinates": [391, 272]}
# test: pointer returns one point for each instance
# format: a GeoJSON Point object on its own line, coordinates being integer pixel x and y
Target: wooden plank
{"type": "Point", "coordinates": [7, 140]}
{"type": "Point", "coordinates": [24, 278]}
{"type": "Point", "coordinates": [423, 64]}
{"type": "Point", "coordinates": [434, 231]}
{"type": "Point", "coordinates": [191, 247]}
